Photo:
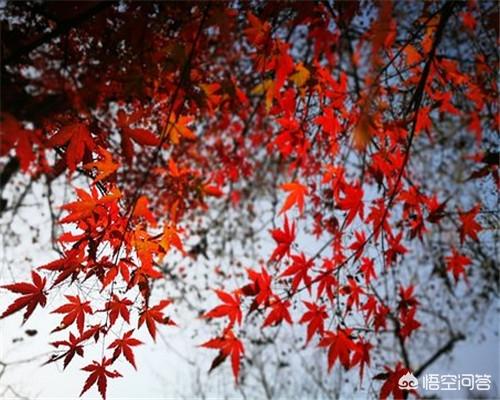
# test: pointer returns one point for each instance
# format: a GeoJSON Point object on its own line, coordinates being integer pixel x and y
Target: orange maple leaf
{"type": "Point", "coordinates": [296, 196]}
{"type": "Point", "coordinates": [86, 204]}
{"type": "Point", "coordinates": [170, 237]}
{"type": "Point", "coordinates": [105, 166]}
{"type": "Point", "coordinates": [177, 128]}
{"type": "Point", "coordinates": [142, 210]}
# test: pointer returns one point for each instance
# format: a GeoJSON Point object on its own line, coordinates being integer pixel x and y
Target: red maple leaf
{"type": "Point", "coordinates": [470, 227]}
{"type": "Point", "coordinates": [279, 312]}
{"type": "Point", "coordinates": [229, 345]}
{"type": "Point", "coordinates": [78, 137]}
{"type": "Point", "coordinates": [361, 355]}
{"type": "Point", "coordinates": [75, 346]}
{"type": "Point", "coordinates": [141, 136]}
{"type": "Point", "coordinates": [284, 238]}
{"type": "Point", "coordinates": [379, 218]}
{"type": "Point", "coordinates": [391, 384]}
{"type": "Point", "coordinates": [456, 264]}
{"type": "Point", "coordinates": [230, 308]}
{"type": "Point", "coordinates": [124, 267]}
{"type": "Point", "coordinates": [395, 248]}
{"type": "Point", "coordinates": [358, 245]}
{"type": "Point", "coordinates": [326, 280]}
{"type": "Point", "coordinates": [299, 269]}
{"type": "Point", "coordinates": [353, 290]}
{"type": "Point", "coordinates": [74, 310]}
{"type": "Point", "coordinates": [212, 98]}
{"type": "Point", "coordinates": [370, 307]}
{"type": "Point", "coordinates": [68, 266]}
{"type": "Point", "coordinates": [117, 306]}
{"type": "Point", "coordinates": [340, 347]}
{"type": "Point", "coordinates": [211, 190]}
{"type": "Point", "coordinates": [380, 320]}
{"type": "Point", "coordinates": [367, 268]}
{"type": "Point", "coordinates": [409, 322]}
{"type": "Point", "coordinates": [154, 315]}
{"type": "Point", "coordinates": [32, 295]}
{"type": "Point", "coordinates": [283, 65]}
{"type": "Point", "coordinates": [328, 121]}
{"type": "Point", "coordinates": [14, 135]}
{"type": "Point", "coordinates": [436, 209]}
{"type": "Point", "coordinates": [297, 193]}
{"type": "Point", "coordinates": [170, 238]}
{"type": "Point", "coordinates": [352, 202]}
{"type": "Point", "coordinates": [258, 30]}
{"type": "Point", "coordinates": [177, 128]}
{"type": "Point", "coordinates": [315, 319]}
{"type": "Point", "coordinates": [407, 300]}
{"type": "Point", "coordinates": [99, 374]}
{"type": "Point", "coordinates": [142, 210]}
{"type": "Point", "coordinates": [124, 345]}
{"type": "Point", "coordinates": [260, 287]}
{"type": "Point", "coordinates": [94, 331]}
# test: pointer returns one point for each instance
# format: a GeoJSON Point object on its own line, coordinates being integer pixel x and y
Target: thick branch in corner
{"type": "Point", "coordinates": [61, 29]}
{"type": "Point", "coordinates": [448, 347]}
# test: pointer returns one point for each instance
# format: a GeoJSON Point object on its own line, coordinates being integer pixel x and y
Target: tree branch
{"type": "Point", "coordinates": [61, 29]}
{"type": "Point", "coordinates": [445, 349]}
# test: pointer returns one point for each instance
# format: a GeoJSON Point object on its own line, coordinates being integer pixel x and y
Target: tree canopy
{"type": "Point", "coordinates": [331, 166]}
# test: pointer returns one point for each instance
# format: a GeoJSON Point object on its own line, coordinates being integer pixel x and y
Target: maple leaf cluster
{"type": "Point", "coordinates": [215, 108]}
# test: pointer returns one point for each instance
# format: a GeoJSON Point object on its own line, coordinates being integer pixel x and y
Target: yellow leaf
{"type": "Point", "coordinates": [266, 87]}
{"type": "Point", "coordinates": [262, 87]}
{"type": "Point", "coordinates": [301, 76]}
{"type": "Point", "coordinates": [177, 128]}
{"type": "Point", "coordinates": [170, 237]}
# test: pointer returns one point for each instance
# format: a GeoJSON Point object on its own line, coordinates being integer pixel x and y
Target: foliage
{"type": "Point", "coordinates": [164, 114]}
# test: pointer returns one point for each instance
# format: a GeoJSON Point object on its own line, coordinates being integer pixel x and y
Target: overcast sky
{"type": "Point", "coordinates": [171, 367]}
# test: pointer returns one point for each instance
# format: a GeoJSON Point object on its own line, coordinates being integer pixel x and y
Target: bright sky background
{"type": "Point", "coordinates": [171, 368]}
